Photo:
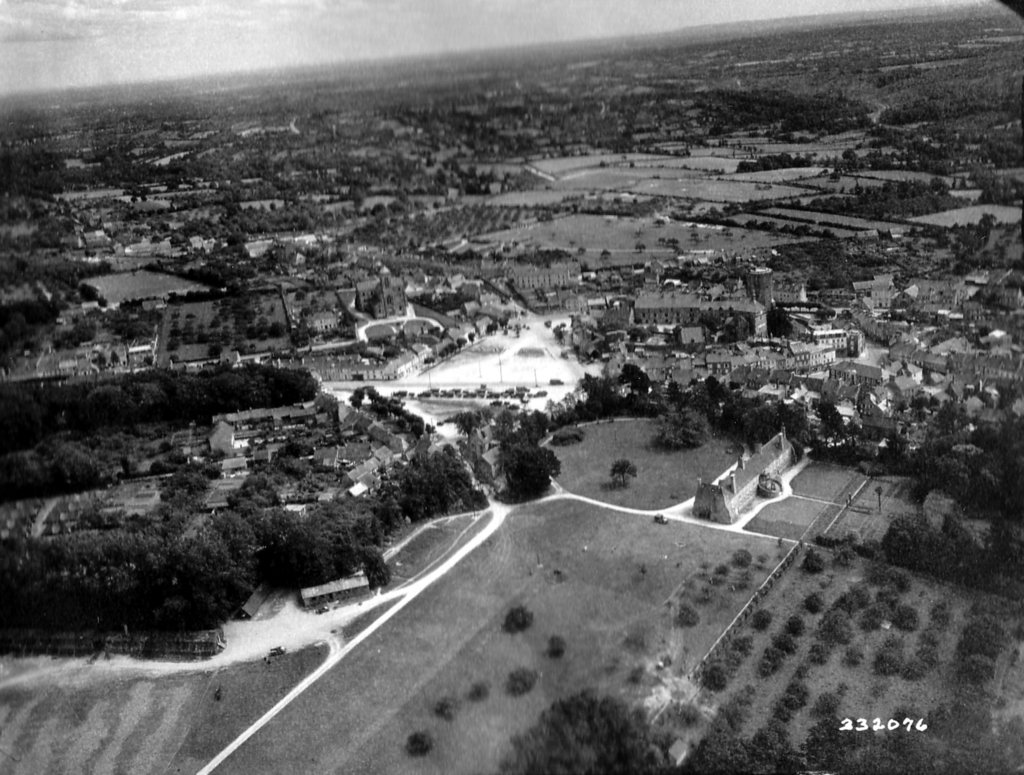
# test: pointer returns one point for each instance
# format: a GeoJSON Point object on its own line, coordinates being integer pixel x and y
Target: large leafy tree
{"type": "Point", "coordinates": [529, 469]}
{"type": "Point", "coordinates": [622, 469]}
{"type": "Point", "coordinates": [683, 429]}
{"type": "Point", "coordinates": [583, 734]}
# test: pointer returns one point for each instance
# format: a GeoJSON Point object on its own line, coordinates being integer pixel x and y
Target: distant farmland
{"type": "Point", "coordinates": [966, 215]}
{"type": "Point", "coordinates": [131, 286]}
{"type": "Point", "coordinates": [595, 233]}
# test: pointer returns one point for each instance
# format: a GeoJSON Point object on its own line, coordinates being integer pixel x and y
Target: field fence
{"type": "Point", "coordinates": [752, 604]}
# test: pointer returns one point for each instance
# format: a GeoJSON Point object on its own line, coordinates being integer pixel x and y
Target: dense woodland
{"type": "Point", "coordinates": [181, 568]}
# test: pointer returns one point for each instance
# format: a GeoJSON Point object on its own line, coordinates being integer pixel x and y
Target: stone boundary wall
{"type": "Point", "coordinates": [755, 600]}
{"type": "Point", "coordinates": [179, 646]}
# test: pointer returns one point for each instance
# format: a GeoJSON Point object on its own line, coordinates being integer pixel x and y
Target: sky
{"type": "Point", "coordinates": [54, 44]}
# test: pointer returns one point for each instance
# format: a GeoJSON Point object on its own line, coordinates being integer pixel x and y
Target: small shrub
{"type": "Point", "coordinates": [761, 619]}
{"type": "Point", "coordinates": [520, 681]}
{"type": "Point", "coordinates": [905, 617]}
{"type": "Point", "coordinates": [419, 744]}
{"type": "Point", "coordinates": [940, 615]}
{"type": "Point", "coordinates": [446, 708]}
{"type": "Point", "coordinates": [914, 669]}
{"type": "Point", "coordinates": [853, 656]}
{"type": "Point", "coordinates": [771, 660]}
{"type": "Point", "coordinates": [835, 627]}
{"type": "Point", "coordinates": [796, 695]}
{"type": "Point", "coordinates": [636, 674]}
{"type": "Point", "coordinates": [813, 562]}
{"type": "Point", "coordinates": [928, 654]}
{"type": "Point", "coordinates": [743, 644]}
{"type": "Point", "coordinates": [826, 705]}
{"type": "Point", "coordinates": [479, 691]}
{"type": "Point", "coordinates": [568, 435]}
{"type": "Point", "coordinates": [802, 671]}
{"type": "Point", "coordinates": [814, 602]}
{"type": "Point", "coordinates": [819, 653]}
{"type": "Point", "coordinates": [556, 646]}
{"type": "Point", "coordinates": [889, 659]}
{"type": "Point", "coordinates": [687, 616]}
{"type": "Point", "coordinates": [900, 580]}
{"type": "Point", "coordinates": [872, 617]}
{"type": "Point", "coordinates": [888, 597]}
{"type": "Point", "coordinates": [785, 643]}
{"type": "Point", "coordinates": [715, 677]}
{"type": "Point", "coordinates": [761, 560]}
{"type": "Point", "coordinates": [517, 620]}
{"type": "Point", "coordinates": [795, 626]}
{"type": "Point", "coordinates": [689, 715]}
{"type": "Point", "coordinates": [855, 598]}
{"type": "Point", "coordinates": [977, 669]}
{"type": "Point", "coordinates": [745, 580]}
{"type": "Point", "coordinates": [741, 558]}
{"type": "Point", "coordinates": [782, 712]}
{"type": "Point", "coordinates": [722, 570]}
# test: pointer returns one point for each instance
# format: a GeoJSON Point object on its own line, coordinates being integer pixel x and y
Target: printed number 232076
{"type": "Point", "coordinates": [877, 725]}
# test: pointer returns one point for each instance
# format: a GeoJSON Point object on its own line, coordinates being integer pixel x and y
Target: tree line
{"type": "Point", "coordinates": [31, 413]}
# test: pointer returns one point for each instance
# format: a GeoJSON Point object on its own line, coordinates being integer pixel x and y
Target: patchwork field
{"type": "Point", "coordinates": [93, 721]}
{"type": "Point", "coordinates": [600, 579]}
{"type": "Point", "coordinates": [595, 233]}
{"type": "Point", "coordinates": [963, 216]}
{"type": "Point", "coordinates": [820, 493]}
{"type": "Point", "coordinates": [663, 478]}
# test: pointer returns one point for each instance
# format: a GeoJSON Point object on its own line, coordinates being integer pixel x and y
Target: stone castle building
{"type": "Point", "coordinates": [722, 501]}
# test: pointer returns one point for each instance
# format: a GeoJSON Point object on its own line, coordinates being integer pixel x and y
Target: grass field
{"type": "Point", "coordinates": [968, 215]}
{"type": "Point", "coordinates": [826, 482]}
{"type": "Point", "coordinates": [615, 574]}
{"type": "Point", "coordinates": [437, 540]}
{"type": "Point", "coordinates": [596, 233]}
{"type": "Point", "coordinates": [116, 288]}
{"type": "Point", "coordinates": [788, 519]}
{"type": "Point", "coordinates": [663, 478]}
{"type": "Point", "coordinates": [88, 721]}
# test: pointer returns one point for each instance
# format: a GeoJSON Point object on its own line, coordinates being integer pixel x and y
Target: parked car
{"type": "Point", "coordinates": [277, 651]}
{"type": "Point", "coordinates": [661, 519]}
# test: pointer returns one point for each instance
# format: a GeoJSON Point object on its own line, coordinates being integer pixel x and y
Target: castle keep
{"type": "Point", "coordinates": [722, 501]}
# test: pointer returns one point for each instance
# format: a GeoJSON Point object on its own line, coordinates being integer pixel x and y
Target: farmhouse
{"type": "Point", "coordinates": [332, 591]}
{"type": "Point", "coordinates": [723, 501]}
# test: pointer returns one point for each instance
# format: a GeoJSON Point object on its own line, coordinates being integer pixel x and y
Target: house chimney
{"type": "Point", "coordinates": [732, 481]}
{"type": "Point", "coordinates": [740, 463]}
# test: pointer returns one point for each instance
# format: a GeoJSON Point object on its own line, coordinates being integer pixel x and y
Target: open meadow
{"type": "Point", "coordinates": [604, 581]}
{"type": "Point", "coordinates": [664, 478]}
